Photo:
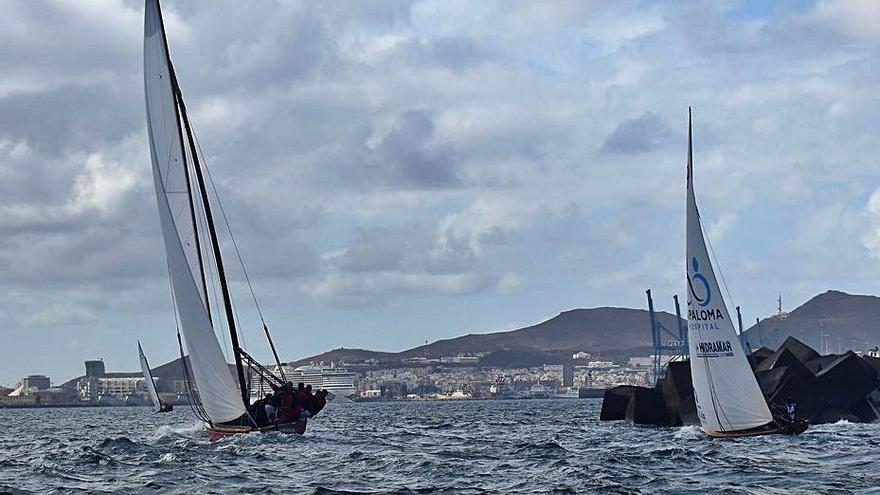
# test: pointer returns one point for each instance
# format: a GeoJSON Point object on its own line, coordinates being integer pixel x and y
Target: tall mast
{"type": "Point", "coordinates": [189, 197]}
{"type": "Point", "coordinates": [219, 393]}
{"type": "Point", "coordinates": [726, 392]}
{"type": "Point", "coordinates": [690, 158]}
{"type": "Point", "coordinates": [221, 273]}
{"type": "Point", "coordinates": [215, 245]}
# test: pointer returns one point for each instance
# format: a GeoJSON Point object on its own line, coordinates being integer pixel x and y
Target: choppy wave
{"type": "Point", "coordinates": [410, 448]}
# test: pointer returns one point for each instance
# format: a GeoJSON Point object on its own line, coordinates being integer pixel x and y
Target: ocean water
{"type": "Point", "coordinates": [532, 446]}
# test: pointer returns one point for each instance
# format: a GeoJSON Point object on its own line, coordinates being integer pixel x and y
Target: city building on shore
{"type": "Point", "coordinates": [440, 377]}
{"type": "Point", "coordinates": [36, 382]}
{"type": "Point", "coordinates": [35, 390]}
{"type": "Point", "coordinates": [116, 387]}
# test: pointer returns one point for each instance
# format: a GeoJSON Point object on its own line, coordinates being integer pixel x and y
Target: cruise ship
{"type": "Point", "coordinates": [337, 381]}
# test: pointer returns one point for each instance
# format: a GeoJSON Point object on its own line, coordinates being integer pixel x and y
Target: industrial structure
{"type": "Point", "coordinates": [669, 345]}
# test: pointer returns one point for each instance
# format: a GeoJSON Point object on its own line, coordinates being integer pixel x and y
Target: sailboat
{"type": "Point", "coordinates": [729, 400]}
{"type": "Point", "coordinates": [150, 383]}
{"type": "Point", "coordinates": [219, 396]}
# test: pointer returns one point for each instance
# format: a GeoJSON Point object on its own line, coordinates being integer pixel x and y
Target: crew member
{"type": "Point", "coordinates": [269, 406]}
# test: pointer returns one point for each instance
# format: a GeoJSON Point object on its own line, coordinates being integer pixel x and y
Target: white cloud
{"type": "Point", "coordinates": [101, 186]}
{"type": "Point", "coordinates": [60, 314]}
{"type": "Point", "coordinates": [859, 19]}
{"type": "Point", "coordinates": [510, 282]}
{"type": "Point", "coordinates": [719, 228]}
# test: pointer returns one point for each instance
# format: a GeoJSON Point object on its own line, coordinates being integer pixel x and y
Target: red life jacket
{"type": "Point", "coordinates": [287, 412]}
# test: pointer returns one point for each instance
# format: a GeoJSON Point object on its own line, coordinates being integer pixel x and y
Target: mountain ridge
{"type": "Point", "coordinates": [829, 322]}
{"type": "Point", "coordinates": [615, 333]}
{"type": "Point", "coordinates": [605, 330]}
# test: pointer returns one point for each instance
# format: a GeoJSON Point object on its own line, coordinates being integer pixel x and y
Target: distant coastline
{"type": "Point", "coordinates": [359, 401]}
{"type": "Point", "coordinates": [66, 406]}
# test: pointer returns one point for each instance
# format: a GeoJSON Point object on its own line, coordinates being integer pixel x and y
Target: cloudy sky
{"type": "Point", "coordinates": [407, 170]}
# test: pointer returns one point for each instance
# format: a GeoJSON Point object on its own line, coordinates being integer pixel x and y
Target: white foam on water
{"type": "Point", "coordinates": [691, 432]}
{"type": "Point", "coordinates": [840, 425]}
{"type": "Point", "coordinates": [189, 431]}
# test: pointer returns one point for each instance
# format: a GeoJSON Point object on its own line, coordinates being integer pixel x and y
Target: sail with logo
{"type": "Point", "coordinates": [729, 400]}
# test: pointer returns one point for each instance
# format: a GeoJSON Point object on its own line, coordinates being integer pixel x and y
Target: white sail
{"type": "Point", "coordinates": [148, 379]}
{"type": "Point", "coordinates": [217, 388]}
{"type": "Point", "coordinates": [727, 395]}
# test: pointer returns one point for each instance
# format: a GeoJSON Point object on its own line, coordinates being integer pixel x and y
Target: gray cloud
{"type": "Point", "coordinates": [380, 153]}
{"type": "Point", "coordinates": [456, 53]}
{"type": "Point", "coordinates": [70, 119]}
{"type": "Point", "coordinates": [406, 155]}
{"type": "Point", "coordinates": [640, 135]}
{"type": "Point", "coordinates": [409, 249]}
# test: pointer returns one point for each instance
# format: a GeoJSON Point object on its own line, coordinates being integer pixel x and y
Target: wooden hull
{"type": "Point", "coordinates": [217, 432]}
{"type": "Point", "coordinates": [792, 428]}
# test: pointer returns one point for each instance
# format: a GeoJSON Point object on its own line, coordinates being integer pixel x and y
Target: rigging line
{"type": "Point", "coordinates": [243, 344]}
{"type": "Point", "coordinates": [181, 115]}
{"type": "Point", "coordinates": [178, 110]}
{"type": "Point", "coordinates": [217, 307]}
{"type": "Point", "coordinates": [228, 227]}
{"type": "Point", "coordinates": [242, 337]}
{"type": "Point", "coordinates": [714, 396]}
{"type": "Point", "coordinates": [716, 406]}
{"type": "Point", "coordinates": [729, 297]}
{"type": "Point", "coordinates": [191, 201]}
{"type": "Point", "coordinates": [237, 251]}
{"type": "Point", "coordinates": [193, 398]}
{"type": "Point", "coordinates": [214, 282]}
{"type": "Point", "coordinates": [238, 322]}
{"type": "Point", "coordinates": [194, 402]}
{"type": "Point", "coordinates": [215, 245]}
{"type": "Point", "coordinates": [712, 393]}
{"type": "Point", "coordinates": [717, 267]}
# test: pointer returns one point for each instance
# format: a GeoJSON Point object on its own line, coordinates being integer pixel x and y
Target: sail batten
{"type": "Point", "coordinates": [725, 390]}
{"type": "Point", "coordinates": [216, 386]}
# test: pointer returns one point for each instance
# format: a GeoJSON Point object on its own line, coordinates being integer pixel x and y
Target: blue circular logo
{"type": "Point", "coordinates": [698, 277]}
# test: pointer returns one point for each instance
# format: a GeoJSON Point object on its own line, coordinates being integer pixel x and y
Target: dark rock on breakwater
{"type": "Point", "coordinates": [826, 388]}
